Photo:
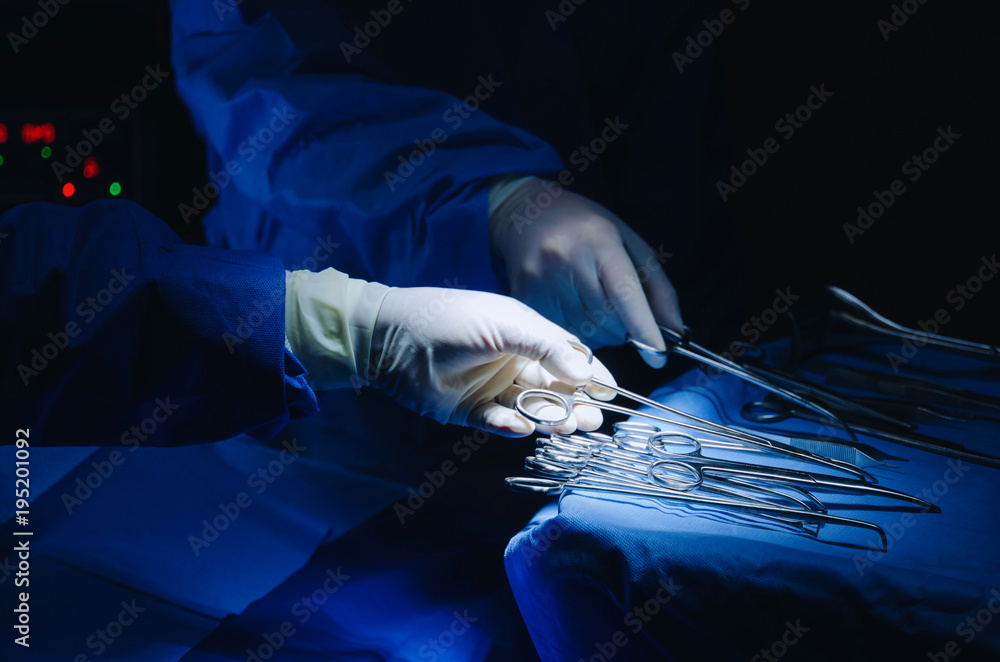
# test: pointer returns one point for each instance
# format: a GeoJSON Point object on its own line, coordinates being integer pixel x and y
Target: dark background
{"type": "Point", "coordinates": [890, 96]}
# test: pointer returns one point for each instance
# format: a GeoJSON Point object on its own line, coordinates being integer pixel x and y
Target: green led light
{"type": "Point", "coordinates": [46, 152]}
{"type": "Point", "coordinates": [115, 188]}
{"type": "Point", "coordinates": [1, 159]}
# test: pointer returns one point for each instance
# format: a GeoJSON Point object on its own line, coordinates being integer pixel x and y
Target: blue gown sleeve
{"type": "Point", "coordinates": [397, 173]}
{"type": "Point", "coordinates": [112, 331]}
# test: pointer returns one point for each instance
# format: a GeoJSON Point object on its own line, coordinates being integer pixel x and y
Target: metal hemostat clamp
{"type": "Point", "coordinates": [641, 460]}
{"type": "Point", "coordinates": [680, 343]}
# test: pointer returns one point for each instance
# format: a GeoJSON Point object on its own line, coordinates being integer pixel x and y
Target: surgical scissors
{"type": "Point", "coordinates": [559, 458]}
{"type": "Point", "coordinates": [638, 488]}
{"type": "Point", "coordinates": [566, 402]}
{"type": "Point", "coordinates": [688, 452]}
{"type": "Point", "coordinates": [680, 343]}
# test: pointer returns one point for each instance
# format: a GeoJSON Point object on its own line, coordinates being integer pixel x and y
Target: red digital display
{"type": "Point", "coordinates": [33, 133]}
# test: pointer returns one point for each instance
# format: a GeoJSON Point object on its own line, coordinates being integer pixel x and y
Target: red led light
{"type": "Point", "coordinates": [90, 167]}
{"type": "Point", "coordinates": [3, 133]}
{"type": "Point", "coordinates": [33, 133]}
{"type": "Point", "coordinates": [68, 189]}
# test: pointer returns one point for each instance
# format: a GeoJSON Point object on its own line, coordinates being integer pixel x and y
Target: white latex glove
{"type": "Point", "coordinates": [578, 264]}
{"type": "Point", "coordinates": [457, 356]}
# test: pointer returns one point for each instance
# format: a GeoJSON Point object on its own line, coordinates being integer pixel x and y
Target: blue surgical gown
{"type": "Point", "coordinates": [107, 319]}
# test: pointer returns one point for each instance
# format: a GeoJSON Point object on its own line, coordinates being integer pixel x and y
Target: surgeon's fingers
{"type": "Point", "coordinates": [532, 336]}
{"type": "Point", "coordinates": [595, 318]}
{"type": "Point", "coordinates": [500, 420]}
{"type": "Point", "coordinates": [660, 292]}
{"type": "Point", "coordinates": [587, 418]}
{"type": "Point", "coordinates": [621, 283]}
{"type": "Point", "coordinates": [603, 374]}
{"type": "Point", "coordinates": [533, 375]}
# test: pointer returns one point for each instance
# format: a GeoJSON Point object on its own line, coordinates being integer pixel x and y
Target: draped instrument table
{"type": "Point", "coordinates": [609, 576]}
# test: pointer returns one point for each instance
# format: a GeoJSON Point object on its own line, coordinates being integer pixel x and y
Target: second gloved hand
{"type": "Point", "coordinates": [578, 264]}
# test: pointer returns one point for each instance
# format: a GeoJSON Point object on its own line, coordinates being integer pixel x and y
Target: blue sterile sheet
{"type": "Point", "coordinates": [713, 585]}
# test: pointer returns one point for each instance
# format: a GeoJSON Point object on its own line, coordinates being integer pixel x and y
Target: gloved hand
{"type": "Point", "coordinates": [578, 264]}
{"type": "Point", "coordinates": [457, 356]}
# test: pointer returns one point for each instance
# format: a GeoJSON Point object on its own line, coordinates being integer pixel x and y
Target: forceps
{"type": "Point", "coordinates": [772, 411]}
{"type": "Point", "coordinates": [681, 344]}
{"type": "Point", "coordinates": [565, 403]}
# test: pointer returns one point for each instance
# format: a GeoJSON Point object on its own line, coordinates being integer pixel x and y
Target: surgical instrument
{"type": "Point", "coordinates": [681, 343]}
{"type": "Point", "coordinates": [925, 413]}
{"type": "Point", "coordinates": [689, 449]}
{"type": "Point", "coordinates": [637, 488]}
{"type": "Point", "coordinates": [857, 453]}
{"type": "Point", "coordinates": [710, 427]}
{"type": "Point", "coordinates": [909, 388]}
{"type": "Point", "coordinates": [820, 314]}
{"type": "Point", "coordinates": [565, 462]}
{"type": "Point", "coordinates": [771, 411]}
{"type": "Point", "coordinates": [565, 403]}
{"type": "Point", "coordinates": [673, 449]}
{"type": "Point", "coordinates": [845, 407]}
